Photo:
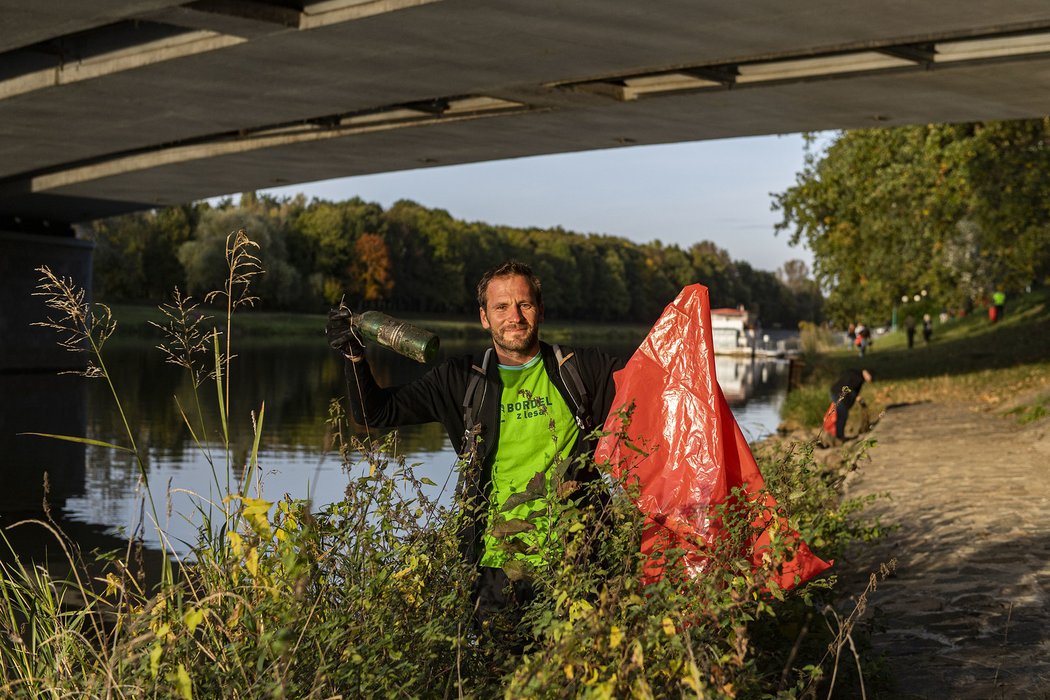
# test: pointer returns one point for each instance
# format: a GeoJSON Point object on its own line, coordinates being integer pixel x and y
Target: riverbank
{"type": "Point", "coordinates": [957, 454]}
{"type": "Point", "coordinates": [964, 615]}
{"type": "Point", "coordinates": [1004, 367]}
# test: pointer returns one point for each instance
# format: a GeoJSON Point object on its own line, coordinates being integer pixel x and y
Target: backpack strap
{"type": "Point", "coordinates": [577, 389]}
{"type": "Point", "coordinates": [474, 398]}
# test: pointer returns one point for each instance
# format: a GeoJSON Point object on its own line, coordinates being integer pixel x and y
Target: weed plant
{"type": "Point", "coordinates": [370, 596]}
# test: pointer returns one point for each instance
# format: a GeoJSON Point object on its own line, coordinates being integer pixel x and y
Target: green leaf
{"type": "Point", "coordinates": [192, 618]}
{"type": "Point", "coordinates": [186, 421]}
{"type": "Point", "coordinates": [516, 569]}
{"type": "Point", "coordinates": [513, 547]}
{"type": "Point", "coordinates": [83, 441]}
{"type": "Point", "coordinates": [535, 489]}
{"type": "Point", "coordinates": [517, 499]}
{"type": "Point", "coordinates": [183, 684]}
{"type": "Point", "coordinates": [254, 459]}
{"type": "Point", "coordinates": [537, 484]}
{"type": "Point", "coordinates": [154, 659]}
{"type": "Point", "coordinates": [218, 388]}
{"type": "Point", "coordinates": [515, 526]}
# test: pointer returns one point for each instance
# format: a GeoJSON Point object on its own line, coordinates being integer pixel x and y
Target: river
{"type": "Point", "coordinates": [296, 380]}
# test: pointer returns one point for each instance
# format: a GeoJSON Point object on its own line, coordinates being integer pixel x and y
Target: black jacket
{"type": "Point", "coordinates": [438, 397]}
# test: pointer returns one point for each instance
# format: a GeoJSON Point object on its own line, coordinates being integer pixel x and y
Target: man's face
{"type": "Point", "coordinates": [513, 317]}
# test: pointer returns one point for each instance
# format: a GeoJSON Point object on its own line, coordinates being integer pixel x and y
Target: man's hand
{"type": "Point", "coordinates": [341, 335]}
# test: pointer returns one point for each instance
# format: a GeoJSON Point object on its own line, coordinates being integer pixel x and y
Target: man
{"type": "Point", "coordinates": [844, 392]}
{"type": "Point", "coordinates": [515, 411]}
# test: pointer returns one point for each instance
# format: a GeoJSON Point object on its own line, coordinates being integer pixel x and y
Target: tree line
{"type": "Point", "coordinates": [946, 212]}
{"type": "Point", "coordinates": [411, 258]}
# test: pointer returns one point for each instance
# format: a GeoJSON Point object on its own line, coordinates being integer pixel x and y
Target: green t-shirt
{"type": "Point", "coordinates": [536, 429]}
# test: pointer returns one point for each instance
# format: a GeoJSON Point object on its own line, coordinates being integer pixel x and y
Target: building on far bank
{"type": "Point", "coordinates": [732, 331]}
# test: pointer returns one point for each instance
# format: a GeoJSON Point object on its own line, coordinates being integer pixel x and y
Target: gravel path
{"type": "Point", "coordinates": [966, 613]}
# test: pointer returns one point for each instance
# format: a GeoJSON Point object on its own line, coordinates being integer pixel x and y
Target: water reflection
{"type": "Point", "coordinates": [297, 381]}
{"type": "Point", "coordinates": [43, 403]}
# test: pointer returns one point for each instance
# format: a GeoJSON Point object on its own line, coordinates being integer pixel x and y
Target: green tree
{"type": "Point", "coordinates": [616, 301]}
{"type": "Point", "coordinates": [952, 209]}
{"type": "Point", "coordinates": [411, 258]}
{"type": "Point", "coordinates": [713, 268]}
{"type": "Point", "coordinates": [804, 294]}
{"type": "Point", "coordinates": [204, 257]}
{"type": "Point", "coordinates": [135, 254]}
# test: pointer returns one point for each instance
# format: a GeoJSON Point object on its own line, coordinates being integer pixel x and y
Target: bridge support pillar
{"type": "Point", "coordinates": [23, 346]}
{"type": "Point", "coordinates": [34, 397]}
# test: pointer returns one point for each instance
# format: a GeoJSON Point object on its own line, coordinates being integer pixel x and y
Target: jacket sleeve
{"type": "Point", "coordinates": [434, 397]}
{"type": "Point", "coordinates": [598, 368]}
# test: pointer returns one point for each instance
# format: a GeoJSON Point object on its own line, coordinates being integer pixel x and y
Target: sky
{"type": "Point", "coordinates": [678, 193]}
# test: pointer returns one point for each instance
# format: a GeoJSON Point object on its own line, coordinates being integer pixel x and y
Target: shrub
{"type": "Point", "coordinates": [815, 338]}
{"type": "Point", "coordinates": [805, 407]}
{"type": "Point", "coordinates": [370, 597]}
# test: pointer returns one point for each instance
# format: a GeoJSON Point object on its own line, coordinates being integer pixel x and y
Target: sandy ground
{"type": "Point", "coordinates": [965, 615]}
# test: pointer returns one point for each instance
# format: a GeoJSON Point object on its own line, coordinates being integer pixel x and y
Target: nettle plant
{"type": "Point", "coordinates": [601, 627]}
{"type": "Point", "coordinates": [370, 596]}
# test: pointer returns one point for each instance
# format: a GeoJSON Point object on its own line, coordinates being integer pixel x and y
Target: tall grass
{"type": "Point", "coordinates": [815, 338]}
{"type": "Point", "coordinates": [370, 596]}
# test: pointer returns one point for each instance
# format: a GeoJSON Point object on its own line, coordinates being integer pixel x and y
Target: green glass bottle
{"type": "Point", "coordinates": [401, 337]}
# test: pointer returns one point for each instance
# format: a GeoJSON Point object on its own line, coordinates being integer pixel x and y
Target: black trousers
{"type": "Point", "coordinates": [842, 406]}
{"type": "Point", "coordinates": [499, 605]}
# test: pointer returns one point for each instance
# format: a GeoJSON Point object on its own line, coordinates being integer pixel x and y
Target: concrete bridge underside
{"type": "Point", "coordinates": [114, 105]}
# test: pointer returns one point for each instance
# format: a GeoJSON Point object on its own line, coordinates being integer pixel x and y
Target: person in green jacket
{"type": "Point", "coordinates": [999, 302]}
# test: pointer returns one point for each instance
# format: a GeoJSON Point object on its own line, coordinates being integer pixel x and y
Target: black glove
{"type": "Point", "coordinates": [341, 335]}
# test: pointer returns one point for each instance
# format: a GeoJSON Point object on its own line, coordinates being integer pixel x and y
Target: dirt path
{"type": "Point", "coordinates": [966, 613]}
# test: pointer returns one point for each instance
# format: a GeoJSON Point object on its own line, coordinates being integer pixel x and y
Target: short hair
{"type": "Point", "coordinates": [509, 269]}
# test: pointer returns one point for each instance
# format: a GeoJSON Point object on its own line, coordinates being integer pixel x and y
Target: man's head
{"type": "Point", "coordinates": [510, 268]}
{"type": "Point", "coordinates": [511, 309]}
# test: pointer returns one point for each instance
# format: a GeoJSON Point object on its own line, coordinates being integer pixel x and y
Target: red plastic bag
{"type": "Point", "coordinates": [830, 419]}
{"type": "Point", "coordinates": [693, 452]}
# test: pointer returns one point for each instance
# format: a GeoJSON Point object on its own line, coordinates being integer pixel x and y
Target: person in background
{"type": "Point", "coordinates": [909, 328]}
{"type": "Point", "coordinates": [844, 393]}
{"type": "Point", "coordinates": [999, 301]}
{"type": "Point", "coordinates": [863, 338]}
{"type": "Point", "coordinates": [927, 328]}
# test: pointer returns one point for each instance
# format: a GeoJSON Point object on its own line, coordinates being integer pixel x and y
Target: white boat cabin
{"type": "Point", "coordinates": [732, 331]}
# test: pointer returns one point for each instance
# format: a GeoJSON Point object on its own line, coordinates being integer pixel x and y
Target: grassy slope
{"type": "Point", "coordinates": [1002, 366]}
